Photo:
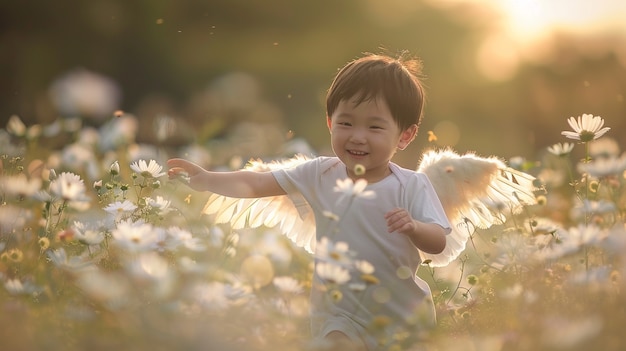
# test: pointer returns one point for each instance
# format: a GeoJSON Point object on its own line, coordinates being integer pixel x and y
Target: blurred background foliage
{"type": "Point", "coordinates": [502, 76]}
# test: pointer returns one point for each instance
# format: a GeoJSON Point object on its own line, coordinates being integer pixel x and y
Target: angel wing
{"type": "Point", "coordinates": [475, 192]}
{"type": "Point", "coordinates": [273, 211]}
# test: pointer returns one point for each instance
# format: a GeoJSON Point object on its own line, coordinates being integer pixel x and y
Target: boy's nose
{"type": "Point", "coordinates": [358, 136]}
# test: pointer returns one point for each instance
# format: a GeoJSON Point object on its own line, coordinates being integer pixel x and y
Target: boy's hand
{"type": "Point", "coordinates": [399, 220]}
{"type": "Point", "coordinates": [186, 171]}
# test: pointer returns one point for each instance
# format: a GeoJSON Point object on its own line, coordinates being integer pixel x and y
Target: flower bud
{"type": "Point", "coordinates": [97, 184]}
{"type": "Point", "coordinates": [115, 168]}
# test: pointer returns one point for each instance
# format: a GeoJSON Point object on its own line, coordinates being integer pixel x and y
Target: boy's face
{"type": "Point", "coordinates": [367, 134]}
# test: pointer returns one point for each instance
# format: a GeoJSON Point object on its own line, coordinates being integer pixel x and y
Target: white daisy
{"type": "Point", "coordinates": [19, 185]}
{"type": "Point", "coordinates": [603, 167]}
{"type": "Point", "coordinates": [136, 236]}
{"type": "Point", "coordinates": [589, 207]}
{"type": "Point", "coordinates": [74, 263]}
{"type": "Point", "coordinates": [586, 128]}
{"type": "Point", "coordinates": [180, 237]}
{"type": "Point", "coordinates": [332, 273]}
{"type": "Point", "coordinates": [364, 267]}
{"type": "Point", "coordinates": [87, 235]}
{"type": "Point", "coordinates": [159, 203]}
{"type": "Point", "coordinates": [327, 250]}
{"type": "Point", "coordinates": [348, 188]}
{"type": "Point", "coordinates": [120, 208]}
{"type": "Point", "coordinates": [69, 187]}
{"type": "Point", "coordinates": [561, 149]}
{"type": "Point", "coordinates": [148, 170]}
{"type": "Point", "coordinates": [605, 147]}
{"type": "Point", "coordinates": [288, 285]}
{"type": "Point", "coordinates": [572, 240]}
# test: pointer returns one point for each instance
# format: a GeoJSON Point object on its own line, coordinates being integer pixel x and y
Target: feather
{"type": "Point", "coordinates": [475, 192]}
{"type": "Point", "coordinates": [273, 211]}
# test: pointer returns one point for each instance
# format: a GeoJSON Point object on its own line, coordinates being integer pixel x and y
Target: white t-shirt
{"type": "Point", "coordinates": [400, 296]}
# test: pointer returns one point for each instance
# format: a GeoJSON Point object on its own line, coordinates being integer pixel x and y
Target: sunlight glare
{"type": "Point", "coordinates": [529, 20]}
{"type": "Point", "coordinates": [525, 30]}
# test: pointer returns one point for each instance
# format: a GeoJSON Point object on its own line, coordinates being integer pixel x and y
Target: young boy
{"type": "Point", "coordinates": [374, 107]}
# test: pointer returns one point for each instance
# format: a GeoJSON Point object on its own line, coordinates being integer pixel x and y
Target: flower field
{"type": "Point", "coordinates": [99, 250]}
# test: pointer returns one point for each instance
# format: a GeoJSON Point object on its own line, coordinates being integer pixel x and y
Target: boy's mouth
{"type": "Point", "coordinates": [357, 153]}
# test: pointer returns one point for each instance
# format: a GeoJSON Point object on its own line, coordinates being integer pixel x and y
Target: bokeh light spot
{"type": "Point", "coordinates": [257, 270]}
{"type": "Point", "coordinates": [448, 133]}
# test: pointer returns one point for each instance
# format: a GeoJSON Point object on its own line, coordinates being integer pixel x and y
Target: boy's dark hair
{"type": "Point", "coordinates": [396, 80]}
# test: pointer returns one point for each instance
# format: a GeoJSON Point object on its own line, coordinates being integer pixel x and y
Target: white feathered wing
{"type": "Point", "coordinates": [273, 211]}
{"type": "Point", "coordinates": [474, 192]}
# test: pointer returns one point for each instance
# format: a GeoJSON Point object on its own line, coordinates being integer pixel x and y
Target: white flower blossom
{"type": "Point", "coordinates": [364, 266]}
{"type": "Point", "coordinates": [338, 252]}
{"type": "Point", "coordinates": [87, 235]}
{"type": "Point", "coordinates": [348, 188]}
{"type": "Point", "coordinates": [561, 149]}
{"type": "Point", "coordinates": [332, 273]}
{"type": "Point", "coordinates": [586, 128]}
{"type": "Point", "coordinates": [69, 186]}
{"type": "Point", "coordinates": [180, 237]}
{"type": "Point", "coordinates": [136, 236]}
{"type": "Point", "coordinates": [603, 167]}
{"type": "Point", "coordinates": [148, 170]}
{"type": "Point", "coordinates": [120, 208]}
{"type": "Point", "coordinates": [161, 204]}
{"type": "Point", "coordinates": [572, 240]}
{"type": "Point", "coordinates": [20, 185]}
{"type": "Point", "coordinates": [288, 285]}
{"type": "Point", "coordinates": [74, 263]}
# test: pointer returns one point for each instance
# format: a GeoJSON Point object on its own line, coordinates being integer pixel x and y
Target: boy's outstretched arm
{"type": "Point", "coordinates": [240, 184]}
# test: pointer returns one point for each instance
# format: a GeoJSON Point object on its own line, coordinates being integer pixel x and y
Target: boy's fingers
{"type": "Point", "coordinates": [176, 171]}
{"type": "Point", "coordinates": [174, 162]}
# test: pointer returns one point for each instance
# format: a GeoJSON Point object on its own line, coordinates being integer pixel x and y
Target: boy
{"type": "Point", "coordinates": [374, 107]}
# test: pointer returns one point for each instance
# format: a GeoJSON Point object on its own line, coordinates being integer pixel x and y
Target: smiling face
{"type": "Point", "coordinates": [367, 134]}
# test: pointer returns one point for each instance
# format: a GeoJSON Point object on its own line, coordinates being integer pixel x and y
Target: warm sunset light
{"type": "Point", "coordinates": [531, 19]}
{"type": "Point", "coordinates": [524, 30]}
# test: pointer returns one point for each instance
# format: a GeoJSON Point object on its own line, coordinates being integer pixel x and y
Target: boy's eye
{"type": "Point", "coordinates": [376, 127]}
{"type": "Point", "coordinates": [344, 124]}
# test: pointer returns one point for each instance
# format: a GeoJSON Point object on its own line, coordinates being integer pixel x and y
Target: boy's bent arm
{"type": "Point", "coordinates": [428, 237]}
{"type": "Point", "coordinates": [239, 184]}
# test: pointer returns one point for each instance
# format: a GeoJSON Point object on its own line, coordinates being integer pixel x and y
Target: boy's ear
{"type": "Point", "coordinates": [407, 136]}
{"type": "Point", "coordinates": [328, 123]}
